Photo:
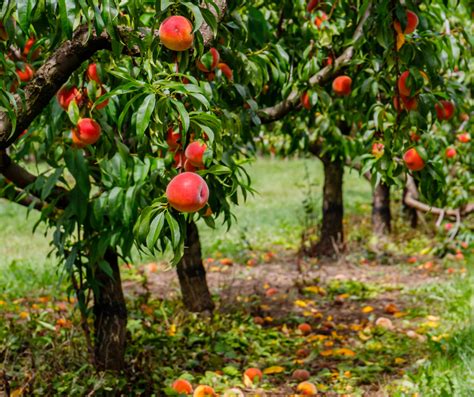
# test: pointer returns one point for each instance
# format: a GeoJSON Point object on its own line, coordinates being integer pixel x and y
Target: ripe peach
{"type": "Point", "coordinates": [444, 110]}
{"type": "Point", "coordinates": [195, 152]}
{"type": "Point", "coordinates": [328, 61]}
{"type": "Point", "coordinates": [305, 101]}
{"type": "Point", "coordinates": [305, 328]}
{"type": "Point", "coordinates": [271, 291]}
{"type": "Point", "coordinates": [28, 45]}
{"type": "Point", "coordinates": [182, 386]}
{"type": "Point", "coordinates": [226, 71]}
{"type": "Point", "coordinates": [312, 5]}
{"type": "Point", "coordinates": [409, 103]}
{"type": "Point", "coordinates": [342, 85]}
{"type": "Point", "coordinates": [204, 391]}
{"type": "Point", "coordinates": [92, 73]}
{"type": "Point", "coordinates": [448, 226]}
{"type": "Point", "coordinates": [258, 320]}
{"type": "Point", "coordinates": [414, 136]}
{"type": "Point", "coordinates": [307, 389]}
{"type": "Point", "coordinates": [413, 160]}
{"type": "Point", "coordinates": [88, 131]}
{"type": "Point", "coordinates": [25, 74]}
{"type": "Point", "coordinates": [189, 167]}
{"type": "Point", "coordinates": [402, 86]}
{"type": "Point", "coordinates": [176, 33]}
{"type": "Point", "coordinates": [464, 137]}
{"type": "Point", "coordinates": [450, 152]}
{"type": "Point", "coordinates": [378, 149]}
{"type": "Point", "coordinates": [301, 374]}
{"type": "Point", "coordinates": [303, 353]}
{"type": "Point", "coordinates": [215, 61]}
{"type": "Point", "coordinates": [66, 95]}
{"type": "Point", "coordinates": [318, 21]}
{"type": "Point", "coordinates": [75, 139]}
{"type": "Point", "coordinates": [252, 375]}
{"type": "Point", "coordinates": [187, 192]}
{"type": "Point", "coordinates": [179, 159]}
{"type": "Point", "coordinates": [173, 138]}
{"type": "Point", "coordinates": [412, 23]}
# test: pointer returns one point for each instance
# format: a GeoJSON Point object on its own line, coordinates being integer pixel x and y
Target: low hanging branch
{"type": "Point", "coordinates": [411, 201]}
{"type": "Point", "coordinates": [278, 111]}
{"type": "Point", "coordinates": [62, 64]}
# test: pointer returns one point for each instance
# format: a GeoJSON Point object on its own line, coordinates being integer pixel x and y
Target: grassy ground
{"type": "Point", "coordinates": [42, 348]}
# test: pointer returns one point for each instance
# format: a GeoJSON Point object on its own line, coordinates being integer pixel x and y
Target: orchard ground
{"type": "Point", "coordinates": [263, 290]}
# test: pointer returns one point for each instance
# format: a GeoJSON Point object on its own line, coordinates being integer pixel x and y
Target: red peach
{"type": "Point", "coordinates": [450, 152]}
{"type": "Point", "coordinates": [448, 226]}
{"type": "Point", "coordinates": [28, 45]}
{"type": "Point", "coordinates": [306, 389]}
{"type": "Point", "coordinates": [402, 86]}
{"type": "Point", "coordinates": [25, 74]}
{"type": "Point", "coordinates": [312, 5]}
{"type": "Point", "coordinates": [88, 131]}
{"type": "Point", "coordinates": [409, 103]}
{"type": "Point", "coordinates": [75, 139]}
{"type": "Point", "coordinates": [182, 386]}
{"type": "Point", "coordinates": [66, 95]}
{"type": "Point", "coordinates": [342, 85]}
{"type": "Point", "coordinates": [226, 71]}
{"type": "Point", "coordinates": [187, 192]}
{"type": "Point", "coordinates": [301, 374]}
{"type": "Point", "coordinates": [412, 23]}
{"type": "Point", "coordinates": [215, 61]}
{"type": "Point", "coordinates": [318, 21]}
{"type": "Point", "coordinates": [173, 138]}
{"type": "Point", "coordinates": [92, 73]}
{"type": "Point", "coordinates": [413, 160]}
{"type": "Point", "coordinates": [305, 101]}
{"type": "Point", "coordinates": [179, 159]}
{"type": "Point", "coordinates": [378, 149]}
{"type": "Point", "coordinates": [305, 328]}
{"type": "Point", "coordinates": [252, 375]}
{"type": "Point", "coordinates": [195, 152]}
{"type": "Point", "coordinates": [204, 391]}
{"type": "Point", "coordinates": [176, 33]}
{"type": "Point", "coordinates": [414, 136]}
{"type": "Point", "coordinates": [271, 291]}
{"type": "Point", "coordinates": [464, 137]}
{"type": "Point", "coordinates": [444, 110]}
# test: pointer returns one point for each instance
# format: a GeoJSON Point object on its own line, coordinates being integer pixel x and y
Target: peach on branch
{"type": "Point", "coordinates": [182, 386]}
{"type": "Point", "coordinates": [450, 152]}
{"type": "Point", "coordinates": [305, 101]}
{"type": "Point", "coordinates": [179, 159]}
{"type": "Point", "coordinates": [226, 71]}
{"type": "Point", "coordinates": [412, 23]}
{"type": "Point", "coordinates": [464, 137]}
{"type": "Point", "coordinates": [195, 153]}
{"type": "Point", "coordinates": [66, 95]}
{"type": "Point", "coordinates": [378, 149]}
{"type": "Point", "coordinates": [29, 43]}
{"type": "Point", "coordinates": [26, 73]}
{"type": "Point", "coordinates": [312, 4]}
{"type": "Point", "coordinates": [92, 73]}
{"type": "Point", "coordinates": [176, 33]}
{"type": "Point", "coordinates": [187, 192]}
{"type": "Point", "coordinates": [318, 21]}
{"type": "Point", "coordinates": [342, 85]}
{"type": "Point", "coordinates": [402, 84]}
{"type": "Point", "coordinates": [209, 61]}
{"type": "Point", "coordinates": [173, 138]}
{"type": "Point", "coordinates": [413, 160]}
{"type": "Point", "coordinates": [444, 110]}
{"type": "Point", "coordinates": [87, 131]}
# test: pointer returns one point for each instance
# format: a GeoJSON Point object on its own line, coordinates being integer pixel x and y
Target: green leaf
{"type": "Point", "coordinates": [67, 10]}
{"type": "Point", "coordinates": [73, 112]}
{"type": "Point", "coordinates": [50, 183]}
{"type": "Point", "coordinates": [198, 18]}
{"type": "Point", "coordinates": [24, 8]}
{"type": "Point", "coordinates": [144, 114]}
{"type": "Point", "coordinates": [183, 114]}
{"type": "Point", "coordinates": [174, 229]}
{"type": "Point", "coordinates": [156, 226]}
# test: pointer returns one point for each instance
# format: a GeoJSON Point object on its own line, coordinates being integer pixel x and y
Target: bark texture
{"type": "Point", "coordinates": [110, 318]}
{"type": "Point", "coordinates": [192, 275]}
{"type": "Point", "coordinates": [331, 241]}
{"type": "Point", "coordinates": [381, 216]}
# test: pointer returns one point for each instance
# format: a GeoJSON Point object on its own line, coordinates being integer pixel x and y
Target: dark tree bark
{"type": "Point", "coordinates": [381, 216]}
{"type": "Point", "coordinates": [192, 275]}
{"type": "Point", "coordinates": [110, 318]}
{"type": "Point", "coordinates": [332, 233]}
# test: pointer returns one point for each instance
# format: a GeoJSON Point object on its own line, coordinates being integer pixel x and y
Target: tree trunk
{"type": "Point", "coordinates": [192, 275]}
{"type": "Point", "coordinates": [381, 217]}
{"type": "Point", "coordinates": [411, 213]}
{"type": "Point", "coordinates": [110, 317]}
{"type": "Point", "coordinates": [331, 241]}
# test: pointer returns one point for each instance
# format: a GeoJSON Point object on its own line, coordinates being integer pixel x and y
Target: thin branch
{"type": "Point", "coordinates": [278, 111]}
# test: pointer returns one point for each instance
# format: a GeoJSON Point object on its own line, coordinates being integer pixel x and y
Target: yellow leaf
{"type": "Point", "coordinates": [399, 360]}
{"type": "Point", "coordinates": [344, 352]}
{"type": "Point", "coordinates": [400, 314]}
{"type": "Point", "coordinates": [300, 303]}
{"type": "Point", "coordinates": [273, 370]}
{"type": "Point", "coordinates": [400, 40]}
{"type": "Point", "coordinates": [367, 309]}
{"type": "Point", "coordinates": [318, 338]}
{"type": "Point", "coordinates": [24, 315]}
{"type": "Point", "coordinates": [265, 307]}
{"type": "Point", "coordinates": [314, 289]}
{"type": "Point", "coordinates": [327, 353]}
{"type": "Point", "coordinates": [2, 302]}
{"type": "Point", "coordinates": [268, 319]}
{"type": "Point", "coordinates": [307, 313]}
{"type": "Point", "coordinates": [172, 330]}
{"type": "Point", "coordinates": [17, 392]}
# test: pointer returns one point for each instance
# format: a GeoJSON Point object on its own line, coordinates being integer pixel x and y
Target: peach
{"type": "Point", "coordinates": [26, 73]}
{"type": "Point", "coordinates": [28, 45]}
{"type": "Point", "coordinates": [402, 84]}
{"type": "Point", "coordinates": [307, 389]}
{"type": "Point", "coordinates": [88, 131]}
{"type": "Point", "coordinates": [204, 391]}
{"type": "Point", "coordinates": [301, 375]}
{"type": "Point", "coordinates": [378, 149]}
{"type": "Point", "coordinates": [75, 139]}
{"type": "Point", "coordinates": [444, 110]}
{"type": "Point", "coordinates": [303, 353]}
{"type": "Point", "coordinates": [187, 192]}
{"type": "Point", "coordinates": [189, 167]}
{"type": "Point", "coordinates": [450, 152]}
{"type": "Point", "coordinates": [66, 95]}
{"type": "Point", "coordinates": [226, 71]}
{"type": "Point", "coordinates": [173, 138]}
{"type": "Point", "coordinates": [182, 386]}
{"type": "Point", "coordinates": [464, 137]}
{"type": "Point", "coordinates": [342, 85]}
{"type": "Point", "coordinates": [212, 58]}
{"type": "Point", "coordinates": [414, 136]}
{"type": "Point", "coordinates": [305, 328]}
{"type": "Point", "coordinates": [413, 160]}
{"type": "Point", "coordinates": [258, 320]}
{"type": "Point", "coordinates": [312, 5]}
{"type": "Point", "coordinates": [305, 101]}
{"type": "Point", "coordinates": [195, 152]}
{"type": "Point", "coordinates": [179, 159]}
{"type": "Point", "coordinates": [412, 23]}
{"type": "Point", "coordinates": [252, 375]}
{"type": "Point", "coordinates": [92, 73]}
{"type": "Point", "coordinates": [318, 21]}
{"type": "Point", "coordinates": [271, 291]}
{"type": "Point", "coordinates": [409, 103]}
{"type": "Point", "coordinates": [176, 33]}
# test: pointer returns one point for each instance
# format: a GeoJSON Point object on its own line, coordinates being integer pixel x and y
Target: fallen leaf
{"type": "Point", "coordinates": [273, 370]}
{"type": "Point", "coordinates": [344, 352]}
{"type": "Point", "coordinates": [367, 309]}
{"type": "Point", "coordinates": [300, 303]}
{"type": "Point", "coordinates": [391, 308]}
{"type": "Point", "coordinates": [327, 353]}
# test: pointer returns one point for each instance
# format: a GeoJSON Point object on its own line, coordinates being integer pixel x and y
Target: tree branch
{"type": "Point", "coordinates": [61, 65]}
{"type": "Point", "coordinates": [278, 111]}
